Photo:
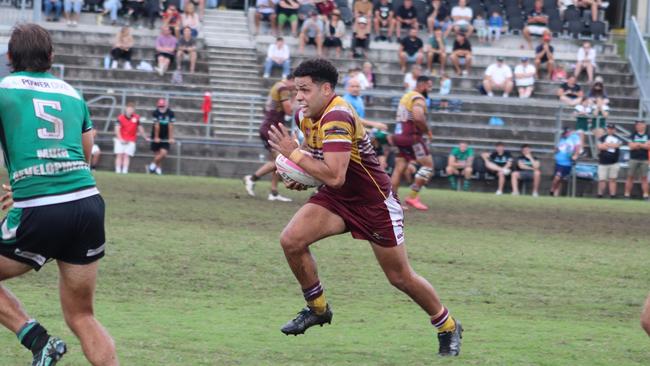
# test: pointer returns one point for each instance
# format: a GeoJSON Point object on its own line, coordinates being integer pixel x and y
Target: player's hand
{"type": "Point", "coordinates": [7, 198]}
{"type": "Point", "coordinates": [282, 141]}
{"type": "Point", "coordinates": [295, 186]}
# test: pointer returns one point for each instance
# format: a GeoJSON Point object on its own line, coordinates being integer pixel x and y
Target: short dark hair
{"type": "Point", "coordinates": [639, 121]}
{"type": "Point", "coordinates": [499, 143]}
{"type": "Point", "coordinates": [319, 70]}
{"type": "Point", "coordinates": [279, 39]}
{"type": "Point", "coordinates": [30, 48]}
{"type": "Point", "coordinates": [524, 146]}
{"type": "Point", "coordinates": [422, 79]}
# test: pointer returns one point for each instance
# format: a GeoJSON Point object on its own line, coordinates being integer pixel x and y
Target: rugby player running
{"type": "Point", "coordinates": [57, 213]}
{"type": "Point", "coordinates": [356, 197]}
{"type": "Point", "coordinates": [409, 138]}
{"type": "Point", "coordinates": [278, 108]}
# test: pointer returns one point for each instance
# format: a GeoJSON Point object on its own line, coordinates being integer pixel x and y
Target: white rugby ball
{"type": "Point", "coordinates": [290, 171]}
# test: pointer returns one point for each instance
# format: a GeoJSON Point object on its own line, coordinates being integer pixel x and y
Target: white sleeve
{"type": "Point", "coordinates": [592, 56]}
{"type": "Point", "coordinates": [269, 52]}
{"type": "Point", "coordinates": [488, 71]}
{"type": "Point", "coordinates": [508, 71]}
{"type": "Point", "coordinates": [581, 54]}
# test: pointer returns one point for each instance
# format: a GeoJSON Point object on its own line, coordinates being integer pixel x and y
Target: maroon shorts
{"type": "Point", "coordinates": [264, 135]}
{"type": "Point", "coordinates": [411, 149]}
{"type": "Point", "coordinates": [381, 223]}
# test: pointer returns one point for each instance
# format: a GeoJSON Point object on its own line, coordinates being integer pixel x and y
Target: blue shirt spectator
{"type": "Point", "coordinates": [566, 148]}
{"type": "Point", "coordinates": [353, 96]}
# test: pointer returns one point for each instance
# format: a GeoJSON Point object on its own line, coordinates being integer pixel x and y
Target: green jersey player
{"type": "Point", "coordinates": [57, 213]}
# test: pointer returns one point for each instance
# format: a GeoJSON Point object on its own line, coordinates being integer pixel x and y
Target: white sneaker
{"type": "Point", "coordinates": [498, 193]}
{"type": "Point", "coordinates": [535, 194]}
{"type": "Point", "coordinates": [266, 76]}
{"type": "Point", "coordinates": [249, 184]}
{"type": "Point", "coordinates": [490, 94]}
{"type": "Point", "coordinates": [158, 171]}
{"type": "Point", "coordinates": [160, 70]}
{"type": "Point", "coordinates": [74, 23]}
{"type": "Point", "coordinates": [68, 23]}
{"type": "Point", "coordinates": [114, 64]}
{"type": "Point", "coordinates": [127, 66]}
{"type": "Point", "coordinates": [464, 73]}
{"type": "Point", "coordinates": [279, 198]}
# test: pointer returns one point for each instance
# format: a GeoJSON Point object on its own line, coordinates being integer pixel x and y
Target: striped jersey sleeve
{"type": "Point", "coordinates": [338, 131]}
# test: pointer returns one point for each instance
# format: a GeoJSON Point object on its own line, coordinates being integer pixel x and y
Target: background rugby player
{"type": "Point", "coordinates": [356, 197]}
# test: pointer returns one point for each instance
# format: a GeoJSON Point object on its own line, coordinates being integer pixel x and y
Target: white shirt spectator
{"type": "Point", "coordinates": [457, 11]}
{"type": "Point", "coordinates": [583, 109]}
{"type": "Point", "coordinates": [275, 53]}
{"type": "Point", "coordinates": [363, 81]}
{"type": "Point", "coordinates": [591, 56]}
{"type": "Point", "coordinates": [266, 6]}
{"type": "Point", "coordinates": [499, 74]}
{"type": "Point", "coordinates": [525, 69]}
{"type": "Point", "coordinates": [409, 81]}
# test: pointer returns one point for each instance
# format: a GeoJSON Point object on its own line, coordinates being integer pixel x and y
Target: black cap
{"type": "Point", "coordinates": [500, 58]}
{"type": "Point", "coordinates": [611, 125]}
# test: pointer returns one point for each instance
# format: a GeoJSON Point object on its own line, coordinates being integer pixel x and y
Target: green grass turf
{"type": "Point", "coordinates": [194, 275]}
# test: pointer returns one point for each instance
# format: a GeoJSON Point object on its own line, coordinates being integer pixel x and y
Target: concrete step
{"type": "Point", "coordinates": [130, 76]}
{"type": "Point", "coordinates": [160, 85]}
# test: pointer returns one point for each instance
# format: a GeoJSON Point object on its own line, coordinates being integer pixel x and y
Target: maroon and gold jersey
{"type": "Point", "coordinates": [273, 110]}
{"type": "Point", "coordinates": [339, 129]}
{"type": "Point", "coordinates": [405, 124]}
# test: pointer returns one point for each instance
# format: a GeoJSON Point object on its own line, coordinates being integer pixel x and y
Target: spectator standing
{"type": "Point", "coordinates": [462, 17]}
{"type": "Point", "coordinates": [186, 47]}
{"type": "Point", "coordinates": [190, 18]}
{"type": "Point", "coordinates": [410, 49]}
{"type": "Point", "coordinates": [436, 51]}
{"type": "Point", "coordinates": [121, 50]}
{"type": "Point", "coordinates": [608, 167]}
{"type": "Point", "coordinates": [334, 32]}
{"type": "Point", "coordinates": [445, 90]}
{"type": "Point", "coordinates": [637, 168]}
{"type": "Point", "coordinates": [537, 23]}
{"type": "Point", "coordinates": [544, 55]}
{"type": "Point", "coordinates": [570, 93]}
{"type": "Point", "coordinates": [410, 78]}
{"type": "Point", "coordinates": [528, 169]}
{"type": "Point", "coordinates": [586, 60]}
{"type": "Point", "coordinates": [438, 17]}
{"type": "Point", "coordinates": [525, 78]}
{"type": "Point", "coordinates": [406, 17]}
{"type": "Point", "coordinates": [288, 12]}
{"type": "Point", "coordinates": [265, 11]}
{"type": "Point", "coordinates": [495, 26]}
{"type": "Point", "coordinates": [461, 54]}
{"type": "Point", "coordinates": [278, 54]}
{"type": "Point", "coordinates": [499, 163]}
{"type": "Point", "coordinates": [360, 38]}
{"type": "Point", "coordinates": [363, 8]}
{"type": "Point", "coordinates": [311, 33]}
{"type": "Point", "coordinates": [460, 162]}
{"type": "Point", "coordinates": [56, 6]}
{"type": "Point", "coordinates": [162, 135]}
{"type": "Point", "coordinates": [72, 9]}
{"type": "Point", "coordinates": [498, 77]}
{"type": "Point", "coordinates": [480, 26]}
{"type": "Point", "coordinates": [126, 135]}
{"type": "Point", "coordinates": [384, 19]}
{"type": "Point", "coordinates": [566, 153]}
{"type": "Point", "coordinates": [165, 49]}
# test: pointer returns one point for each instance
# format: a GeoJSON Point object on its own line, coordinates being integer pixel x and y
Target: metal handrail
{"type": "Point", "coordinates": [95, 100]}
{"type": "Point", "coordinates": [637, 54]}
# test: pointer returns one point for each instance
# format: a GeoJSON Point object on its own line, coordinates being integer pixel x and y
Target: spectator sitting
{"type": "Point", "coordinates": [438, 17]}
{"type": "Point", "coordinates": [172, 19]}
{"type": "Point", "coordinates": [566, 153]}
{"type": "Point", "coordinates": [72, 9]}
{"type": "Point", "coordinates": [525, 78]}
{"type": "Point", "coordinates": [600, 103]}
{"type": "Point", "coordinates": [459, 163]}
{"type": "Point", "coordinates": [410, 49]}
{"type": "Point", "coordinates": [570, 93]}
{"type": "Point", "coordinates": [608, 167]}
{"type": "Point", "coordinates": [165, 49]}
{"type": "Point", "coordinates": [537, 23]}
{"type": "Point", "coordinates": [363, 8]}
{"type": "Point", "coordinates": [334, 31]}
{"type": "Point", "coordinates": [589, 4]}
{"type": "Point", "coordinates": [410, 78]}
{"type": "Point", "coordinates": [637, 166]}
{"type": "Point", "coordinates": [583, 112]}
{"type": "Point", "coordinates": [384, 18]}
{"type": "Point", "coordinates": [162, 135]}
{"type": "Point", "coordinates": [436, 51]}
{"type": "Point", "coordinates": [278, 54]}
{"type": "Point", "coordinates": [445, 90]}
{"type": "Point", "coordinates": [191, 19]}
{"type": "Point", "coordinates": [544, 55]}
{"type": "Point", "coordinates": [355, 74]}
{"type": "Point", "coordinates": [134, 9]}
{"type": "Point", "coordinates": [186, 47]}
{"type": "Point", "coordinates": [480, 26]}
{"type": "Point", "coordinates": [126, 134]}
{"type": "Point", "coordinates": [288, 12]}
{"type": "Point", "coordinates": [498, 77]}
{"type": "Point", "coordinates": [360, 38]}
{"type": "Point", "coordinates": [369, 74]}
{"type": "Point", "coordinates": [586, 60]}
{"type": "Point", "coordinates": [122, 48]}
{"type": "Point", "coordinates": [406, 17]}
{"type": "Point", "coordinates": [495, 26]}
{"type": "Point", "coordinates": [152, 11]}
{"type": "Point", "coordinates": [527, 169]}
{"type": "Point", "coordinates": [312, 33]}
{"type": "Point", "coordinates": [462, 16]}
{"type": "Point", "coordinates": [461, 54]}
{"type": "Point", "coordinates": [110, 7]}
{"type": "Point", "coordinates": [499, 163]}
{"type": "Point", "coordinates": [559, 73]}
{"type": "Point", "coordinates": [325, 7]}
{"type": "Point", "coordinates": [265, 11]}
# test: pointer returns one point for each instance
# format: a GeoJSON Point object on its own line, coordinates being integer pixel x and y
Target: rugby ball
{"type": "Point", "coordinates": [291, 172]}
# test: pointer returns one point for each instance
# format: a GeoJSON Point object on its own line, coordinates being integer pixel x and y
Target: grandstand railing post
{"type": "Point", "coordinates": [179, 156]}
{"type": "Point", "coordinates": [251, 116]}
{"type": "Point", "coordinates": [36, 11]}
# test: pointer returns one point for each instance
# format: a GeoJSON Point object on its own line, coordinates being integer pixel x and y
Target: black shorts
{"type": "Point", "coordinates": [311, 41]}
{"type": "Point", "coordinates": [526, 175]}
{"type": "Point", "coordinates": [169, 56]}
{"type": "Point", "coordinates": [156, 146]}
{"type": "Point", "coordinates": [332, 42]}
{"type": "Point", "coordinates": [72, 232]}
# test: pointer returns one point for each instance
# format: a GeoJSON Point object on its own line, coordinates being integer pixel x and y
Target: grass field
{"type": "Point", "coordinates": [194, 275]}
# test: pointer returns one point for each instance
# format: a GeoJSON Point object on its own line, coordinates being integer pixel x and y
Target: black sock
{"type": "Point", "coordinates": [274, 193]}
{"type": "Point", "coordinates": [254, 178]}
{"type": "Point", "coordinates": [33, 336]}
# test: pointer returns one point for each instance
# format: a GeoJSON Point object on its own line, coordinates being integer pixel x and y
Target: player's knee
{"type": "Point", "coordinates": [400, 280]}
{"type": "Point", "coordinates": [78, 321]}
{"type": "Point", "coordinates": [290, 243]}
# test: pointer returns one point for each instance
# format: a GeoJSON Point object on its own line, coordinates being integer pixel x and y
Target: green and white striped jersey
{"type": "Point", "coordinates": [41, 122]}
